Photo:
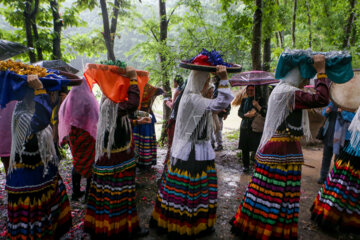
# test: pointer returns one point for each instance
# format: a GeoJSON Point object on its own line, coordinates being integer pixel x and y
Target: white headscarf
{"type": "Point", "coordinates": [191, 118]}
{"type": "Point", "coordinates": [107, 123]}
{"type": "Point", "coordinates": [281, 104]}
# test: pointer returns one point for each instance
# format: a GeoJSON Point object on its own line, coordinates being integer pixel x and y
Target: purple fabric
{"type": "Point", "coordinates": [5, 128]}
{"type": "Point", "coordinates": [79, 109]}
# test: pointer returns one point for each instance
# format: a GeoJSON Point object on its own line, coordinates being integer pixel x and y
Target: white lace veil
{"type": "Point", "coordinates": [20, 130]}
{"type": "Point", "coordinates": [280, 105]}
{"type": "Point", "coordinates": [191, 118]}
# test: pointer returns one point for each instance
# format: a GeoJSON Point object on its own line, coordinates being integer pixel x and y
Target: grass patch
{"type": "Point", "coordinates": [233, 135]}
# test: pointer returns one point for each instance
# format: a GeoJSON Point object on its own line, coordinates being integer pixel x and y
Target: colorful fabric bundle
{"type": "Point", "coordinates": [270, 206]}
{"type": "Point", "coordinates": [111, 208]}
{"type": "Point", "coordinates": [338, 64]}
{"type": "Point", "coordinates": [187, 199]}
{"type": "Point", "coordinates": [207, 58]}
{"type": "Point", "coordinates": [113, 81]}
{"type": "Point", "coordinates": [38, 206]}
{"type": "Point", "coordinates": [14, 86]}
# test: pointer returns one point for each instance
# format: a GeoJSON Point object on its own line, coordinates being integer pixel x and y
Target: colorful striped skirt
{"type": "Point", "coordinates": [270, 206]}
{"type": "Point", "coordinates": [38, 206]}
{"type": "Point", "coordinates": [187, 199]}
{"type": "Point", "coordinates": [82, 146]}
{"type": "Point", "coordinates": [337, 204]}
{"type": "Point", "coordinates": [145, 141]}
{"type": "Point", "coordinates": [111, 209]}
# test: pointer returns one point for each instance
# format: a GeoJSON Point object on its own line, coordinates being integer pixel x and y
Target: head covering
{"type": "Point", "coordinates": [281, 104]}
{"type": "Point", "coordinates": [14, 86]}
{"type": "Point", "coordinates": [179, 80]}
{"type": "Point", "coordinates": [5, 128]}
{"type": "Point", "coordinates": [79, 109]}
{"type": "Point", "coordinates": [112, 80]}
{"type": "Point", "coordinates": [20, 130]}
{"type": "Point", "coordinates": [191, 118]}
{"type": "Point", "coordinates": [149, 95]}
{"type": "Point", "coordinates": [338, 64]}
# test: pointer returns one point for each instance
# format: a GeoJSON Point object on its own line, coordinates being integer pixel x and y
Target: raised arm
{"type": "Point", "coordinates": [133, 101]}
{"type": "Point", "coordinates": [42, 114]}
{"type": "Point", "coordinates": [320, 98]}
{"type": "Point", "coordinates": [225, 96]}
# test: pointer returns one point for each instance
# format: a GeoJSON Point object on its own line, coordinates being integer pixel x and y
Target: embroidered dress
{"type": "Point", "coordinates": [270, 206]}
{"type": "Point", "coordinates": [144, 135]}
{"type": "Point", "coordinates": [337, 204]}
{"type": "Point", "coordinates": [38, 206]}
{"type": "Point", "coordinates": [186, 202]}
{"type": "Point", "coordinates": [145, 140]}
{"type": "Point", "coordinates": [111, 208]}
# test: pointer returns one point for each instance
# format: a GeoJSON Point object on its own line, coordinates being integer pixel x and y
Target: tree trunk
{"type": "Point", "coordinates": [57, 29]}
{"type": "Point", "coordinates": [294, 24]}
{"type": "Point", "coordinates": [163, 59]}
{"type": "Point", "coordinates": [36, 38]}
{"type": "Point", "coordinates": [266, 66]}
{"type": "Point", "coordinates": [114, 23]}
{"type": "Point", "coordinates": [256, 41]}
{"type": "Point", "coordinates": [353, 34]}
{"type": "Point", "coordinates": [106, 33]}
{"type": "Point", "coordinates": [349, 25]}
{"type": "Point", "coordinates": [267, 54]}
{"type": "Point", "coordinates": [29, 37]}
{"type": "Point", "coordinates": [309, 22]}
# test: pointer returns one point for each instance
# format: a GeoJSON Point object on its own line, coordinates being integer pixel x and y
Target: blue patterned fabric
{"type": "Point", "coordinates": [14, 86]}
{"type": "Point", "coordinates": [338, 64]}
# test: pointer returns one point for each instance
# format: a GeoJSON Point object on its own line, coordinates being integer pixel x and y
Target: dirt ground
{"type": "Point", "coordinates": [232, 184]}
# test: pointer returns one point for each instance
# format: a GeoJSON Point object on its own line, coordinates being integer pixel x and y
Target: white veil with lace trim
{"type": "Point", "coordinates": [191, 118]}
{"type": "Point", "coordinates": [281, 104]}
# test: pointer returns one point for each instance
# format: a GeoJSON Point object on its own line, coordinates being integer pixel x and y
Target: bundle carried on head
{"type": "Point", "coordinates": [207, 61]}
{"type": "Point", "coordinates": [338, 64]}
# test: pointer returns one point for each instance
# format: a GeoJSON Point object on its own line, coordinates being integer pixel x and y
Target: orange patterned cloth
{"type": "Point", "coordinates": [113, 80]}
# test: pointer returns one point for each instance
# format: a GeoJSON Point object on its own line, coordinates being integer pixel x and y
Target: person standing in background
{"type": "Point", "coordinates": [249, 140]}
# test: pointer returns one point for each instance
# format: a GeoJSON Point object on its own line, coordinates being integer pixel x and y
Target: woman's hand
{"type": "Point", "coordinates": [131, 72]}
{"type": "Point", "coordinates": [250, 114]}
{"type": "Point", "coordinates": [221, 72]}
{"type": "Point", "coordinates": [34, 82]}
{"type": "Point", "coordinates": [144, 120]}
{"type": "Point", "coordinates": [319, 63]}
{"type": "Point", "coordinates": [256, 105]}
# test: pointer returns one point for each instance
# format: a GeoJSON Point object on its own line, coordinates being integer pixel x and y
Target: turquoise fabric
{"type": "Point", "coordinates": [338, 64]}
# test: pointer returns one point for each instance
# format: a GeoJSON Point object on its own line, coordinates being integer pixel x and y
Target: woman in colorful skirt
{"type": "Point", "coordinates": [144, 135]}
{"type": "Point", "coordinates": [187, 197]}
{"type": "Point", "coordinates": [78, 117]}
{"type": "Point", "coordinates": [111, 208]}
{"type": "Point", "coordinates": [270, 206]}
{"type": "Point", "coordinates": [38, 206]}
{"type": "Point", "coordinates": [337, 205]}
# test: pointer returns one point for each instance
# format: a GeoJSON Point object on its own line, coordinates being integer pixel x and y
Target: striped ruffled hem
{"type": "Point", "coordinates": [146, 149]}
{"type": "Point", "coordinates": [186, 202]}
{"type": "Point", "coordinates": [270, 206]}
{"type": "Point", "coordinates": [41, 212]}
{"type": "Point", "coordinates": [111, 209]}
{"type": "Point", "coordinates": [281, 149]}
{"type": "Point", "coordinates": [337, 204]}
